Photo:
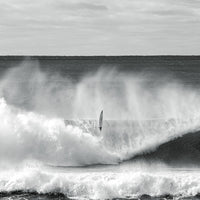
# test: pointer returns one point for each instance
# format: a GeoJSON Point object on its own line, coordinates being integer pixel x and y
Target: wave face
{"type": "Point", "coordinates": [182, 151]}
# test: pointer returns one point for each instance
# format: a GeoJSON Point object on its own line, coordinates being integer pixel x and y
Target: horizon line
{"type": "Point", "coordinates": [122, 55]}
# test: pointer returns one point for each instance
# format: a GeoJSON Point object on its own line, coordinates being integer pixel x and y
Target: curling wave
{"type": "Point", "coordinates": [182, 151]}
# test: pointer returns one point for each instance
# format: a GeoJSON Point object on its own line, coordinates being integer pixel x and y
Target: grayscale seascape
{"type": "Point", "coordinates": [99, 99]}
{"type": "Point", "coordinates": [50, 143]}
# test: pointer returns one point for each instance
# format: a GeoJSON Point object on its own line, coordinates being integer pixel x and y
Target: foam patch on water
{"type": "Point", "coordinates": [102, 184]}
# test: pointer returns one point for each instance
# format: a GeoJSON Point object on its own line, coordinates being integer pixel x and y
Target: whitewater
{"type": "Point", "coordinates": [43, 152]}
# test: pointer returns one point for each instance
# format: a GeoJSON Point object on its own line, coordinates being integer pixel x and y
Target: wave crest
{"type": "Point", "coordinates": [31, 136]}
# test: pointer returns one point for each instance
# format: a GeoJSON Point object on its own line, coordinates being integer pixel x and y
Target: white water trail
{"type": "Point", "coordinates": [26, 135]}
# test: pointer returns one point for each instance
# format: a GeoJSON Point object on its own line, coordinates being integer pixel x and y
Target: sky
{"type": "Point", "coordinates": [99, 27]}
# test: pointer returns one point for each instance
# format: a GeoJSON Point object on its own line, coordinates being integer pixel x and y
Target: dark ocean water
{"type": "Point", "coordinates": [185, 68]}
{"type": "Point", "coordinates": [50, 144]}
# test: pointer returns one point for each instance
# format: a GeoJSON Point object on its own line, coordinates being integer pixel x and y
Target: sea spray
{"type": "Point", "coordinates": [27, 135]}
{"type": "Point", "coordinates": [32, 136]}
{"type": "Point", "coordinates": [122, 96]}
{"type": "Point", "coordinates": [139, 115]}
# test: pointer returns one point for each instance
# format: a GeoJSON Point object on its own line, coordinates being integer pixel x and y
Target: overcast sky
{"type": "Point", "coordinates": [99, 27]}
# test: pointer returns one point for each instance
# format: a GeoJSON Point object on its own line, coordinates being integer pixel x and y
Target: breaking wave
{"type": "Point", "coordinates": [49, 121]}
{"type": "Point", "coordinates": [46, 117]}
{"type": "Point", "coordinates": [109, 184]}
{"type": "Point", "coordinates": [30, 136]}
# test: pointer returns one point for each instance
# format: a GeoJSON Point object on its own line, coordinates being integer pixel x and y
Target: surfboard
{"type": "Point", "coordinates": [101, 121]}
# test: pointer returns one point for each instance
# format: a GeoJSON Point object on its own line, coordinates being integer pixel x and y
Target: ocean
{"type": "Point", "coordinates": [51, 146]}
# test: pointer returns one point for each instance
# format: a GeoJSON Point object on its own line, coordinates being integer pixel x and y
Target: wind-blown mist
{"type": "Point", "coordinates": [146, 112]}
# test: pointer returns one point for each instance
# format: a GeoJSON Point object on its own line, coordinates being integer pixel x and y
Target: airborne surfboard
{"type": "Point", "coordinates": [101, 121]}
